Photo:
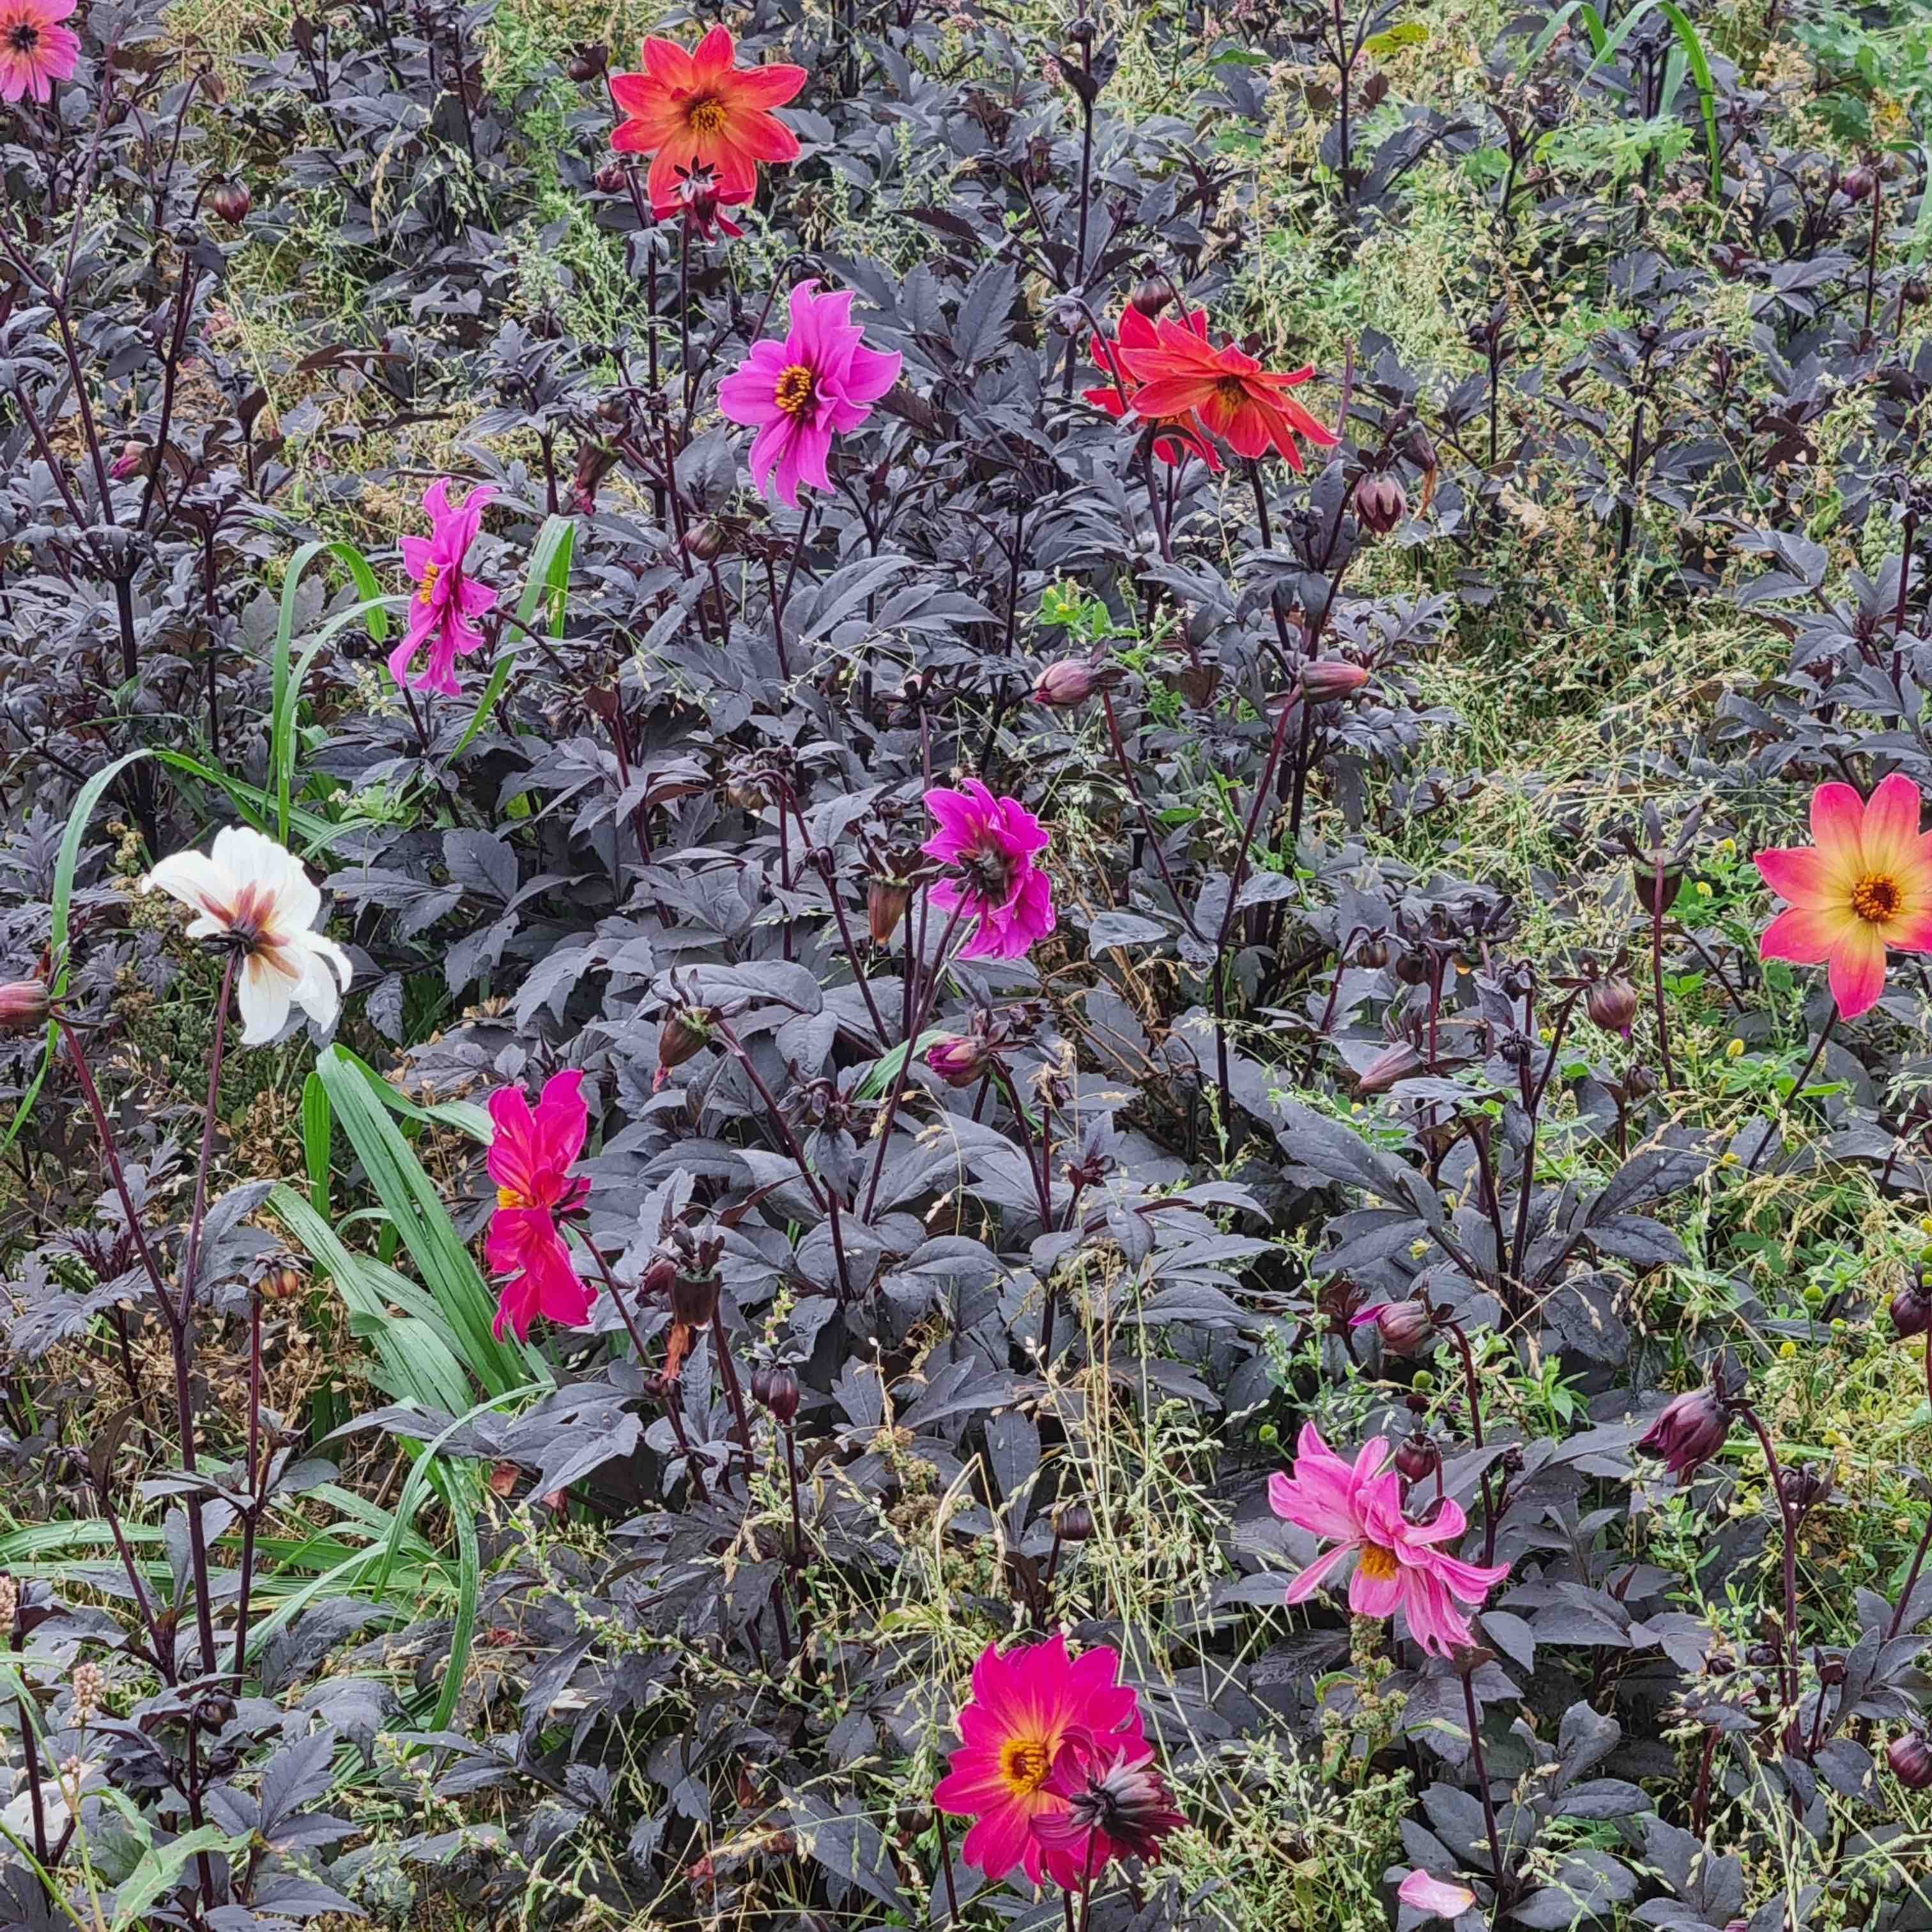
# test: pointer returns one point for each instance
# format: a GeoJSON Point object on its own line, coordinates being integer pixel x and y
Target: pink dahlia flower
{"type": "Point", "coordinates": [443, 612]}
{"type": "Point", "coordinates": [1865, 887]}
{"type": "Point", "coordinates": [1027, 1708]}
{"type": "Point", "coordinates": [1399, 1565]}
{"type": "Point", "coordinates": [35, 49]}
{"type": "Point", "coordinates": [821, 382]}
{"type": "Point", "coordinates": [530, 1159]}
{"type": "Point", "coordinates": [992, 841]}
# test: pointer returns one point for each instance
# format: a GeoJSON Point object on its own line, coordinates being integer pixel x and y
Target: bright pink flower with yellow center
{"type": "Point", "coordinates": [1864, 886]}
{"type": "Point", "coordinates": [35, 49]}
{"type": "Point", "coordinates": [821, 382]}
{"type": "Point", "coordinates": [992, 841]}
{"type": "Point", "coordinates": [1246, 406]}
{"type": "Point", "coordinates": [697, 110]}
{"type": "Point", "coordinates": [530, 1159]}
{"type": "Point", "coordinates": [1029, 1707]}
{"type": "Point", "coordinates": [1398, 1565]}
{"type": "Point", "coordinates": [448, 600]}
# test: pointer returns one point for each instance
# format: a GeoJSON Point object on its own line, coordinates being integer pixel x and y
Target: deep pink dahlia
{"type": "Point", "coordinates": [530, 1159]}
{"type": "Point", "coordinates": [35, 49]}
{"type": "Point", "coordinates": [821, 382]}
{"type": "Point", "coordinates": [449, 601]}
{"type": "Point", "coordinates": [992, 841]}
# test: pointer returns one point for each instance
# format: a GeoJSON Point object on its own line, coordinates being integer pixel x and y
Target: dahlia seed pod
{"type": "Point", "coordinates": [681, 1035]}
{"type": "Point", "coordinates": [694, 1299]}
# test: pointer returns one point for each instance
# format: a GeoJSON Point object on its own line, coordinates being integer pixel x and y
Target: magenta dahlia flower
{"type": "Point", "coordinates": [530, 1159]}
{"type": "Point", "coordinates": [1399, 1565]}
{"type": "Point", "coordinates": [821, 382]}
{"type": "Point", "coordinates": [449, 601]}
{"type": "Point", "coordinates": [992, 841]}
{"type": "Point", "coordinates": [1029, 1709]}
{"type": "Point", "coordinates": [35, 49]}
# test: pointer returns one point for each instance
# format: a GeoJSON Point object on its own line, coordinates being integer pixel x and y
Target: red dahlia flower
{"type": "Point", "coordinates": [530, 1159]}
{"type": "Point", "coordinates": [1233, 396]}
{"type": "Point", "coordinates": [695, 110]}
{"type": "Point", "coordinates": [1181, 437]}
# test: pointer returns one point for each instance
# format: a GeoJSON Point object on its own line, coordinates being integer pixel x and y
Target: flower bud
{"type": "Point", "coordinates": [1418, 1459]}
{"type": "Point", "coordinates": [1151, 294]}
{"type": "Point", "coordinates": [1612, 1004]}
{"type": "Point", "coordinates": [23, 1005]}
{"type": "Point", "coordinates": [588, 62]}
{"type": "Point", "coordinates": [1329, 680]}
{"type": "Point", "coordinates": [1910, 1757]}
{"type": "Point", "coordinates": [1070, 682]}
{"type": "Point", "coordinates": [1381, 503]}
{"type": "Point", "coordinates": [781, 1397]}
{"type": "Point", "coordinates": [1411, 968]}
{"type": "Point", "coordinates": [1644, 877]}
{"type": "Point", "coordinates": [1073, 1522]}
{"type": "Point", "coordinates": [1911, 1310]}
{"type": "Point", "coordinates": [282, 1284]}
{"type": "Point", "coordinates": [1372, 953]}
{"type": "Point", "coordinates": [761, 1384]}
{"type": "Point", "coordinates": [707, 540]}
{"type": "Point", "coordinates": [681, 1035]}
{"type": "Point", "coordinates": [1859, 183]}
{"type": "Point", "coordinates": [232, 201]}
{"type": "Point", "coordinates": [131, 462]}
{"type": "Point", "coordinates": [886, 899]}
{"type": "Point", "coordinates": [1690, 1429]}
{"type": "Point", "coordinates": [693, 1298]}
{"type": "Point", "coordinates": [609, 179]}
{"type": "Point", "coordinates": [1917, 291]}
{"type": "Point", "coordinates": [958, 1060]}
{"type": "Point", "coordinates": [1396, 1061]}
{"type": "Point", "coordinates": [1405, 1326]}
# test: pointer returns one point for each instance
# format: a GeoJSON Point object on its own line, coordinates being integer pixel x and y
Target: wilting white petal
{"type": "Point", "coordinates": [263, 992]}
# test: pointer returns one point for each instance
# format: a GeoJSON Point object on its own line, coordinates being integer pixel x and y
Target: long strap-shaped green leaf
{"type": "Point", "coordinates": [548, 579]}
{"type": "Point", "coordinates": [419, 1217]}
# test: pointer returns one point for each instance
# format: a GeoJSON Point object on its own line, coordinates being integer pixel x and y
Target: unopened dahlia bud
{"type": "Point", "coordinates": [1911, 1310]}
{"type": "Point", "coordinates": [707, 540]}
{"type": "Point", "coordinates": [1404, 1327]}
{"type": "Point", "coordinates": [1418, 1459]}
{"type": "Point", "coordinates": [1910, 1757]}
{"type": "Point", "coordinates": [281, 1284]}
{"type": "Point", "coordinates": [781, 1397]}
{"type": "Point", "coordinates": [232, 201]}
{"type": "Point", "coordinates": [23, 1005]}
{"type": "Point", "coordinates": [1329, 680]}
{"type": "Point", "coordinates": [588, 62]}
{"type": "Point", "coordinates": [958, 1060]}
{"type": "Point", "coordinates": [1612, 1004]}
{"type": "Point", "coordinates": [1070, 682]}
{"type": "Point", "coordinates": [1689, 1431]}
{"type": "Point", "coordinates": [1073, 1522]}
{"type": "Point", "coordinates": [1151, 294]}
{"type": "Point", "coordinates": [1381, 503]}
{"type": "Point", "coordinates": [609, 179]}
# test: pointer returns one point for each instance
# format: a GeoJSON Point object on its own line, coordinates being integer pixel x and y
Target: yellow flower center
{"type": "Point", "coordinates": [792, 393]}
{"type": "Point", "coordinates": [1876, 899]}
{"type": "Point", "coordinates": [1377, 1564]}
{"type": "Point", "coordinates": [431, 571]}
{"type": "Point", "coordinates": [509, 1197]}
{"type": "Point", "coordinates": [706, 117]}
{"type": "Point", "coordinates": [1023, 1764]}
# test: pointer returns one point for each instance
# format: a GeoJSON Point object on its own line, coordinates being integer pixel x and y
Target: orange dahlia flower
{"type": "Point", "coordinates": [1864, 886]}
{"type": "Point", "coordinates": [1233, 396]}
{"type": "Point", "coordinates": [697, 110]}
